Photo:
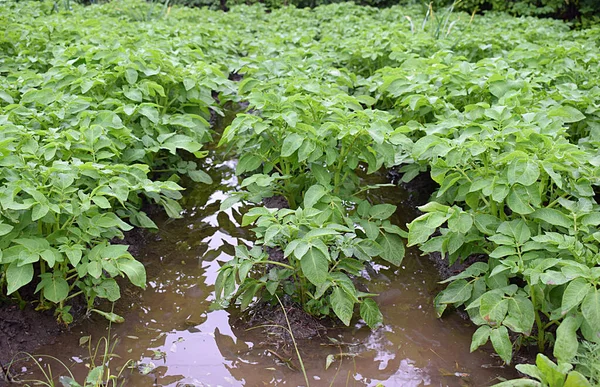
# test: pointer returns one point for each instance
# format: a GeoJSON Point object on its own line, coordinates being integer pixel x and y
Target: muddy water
{"type": "Point", "coordinates": [175, 340]}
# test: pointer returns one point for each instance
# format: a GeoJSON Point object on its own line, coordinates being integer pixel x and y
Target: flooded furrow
{"type": "Point", "coordinates": [172, 337]}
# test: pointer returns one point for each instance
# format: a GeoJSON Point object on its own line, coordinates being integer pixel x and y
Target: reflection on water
{"type": "Point", "coordinates": [176, 341]}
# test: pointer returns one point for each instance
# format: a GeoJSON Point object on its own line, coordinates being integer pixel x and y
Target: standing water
{"type": "Point", "coordinates": [173, 339]}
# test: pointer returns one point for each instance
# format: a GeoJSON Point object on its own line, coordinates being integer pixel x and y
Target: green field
{"type": "Point", "coordinates": [108, 109]}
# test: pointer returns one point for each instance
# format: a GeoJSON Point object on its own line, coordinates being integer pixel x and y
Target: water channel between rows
{"type": "Point", "coordinates": [176, 341]}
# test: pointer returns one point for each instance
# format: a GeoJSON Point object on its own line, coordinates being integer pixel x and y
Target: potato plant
{"type": "Point", "coordinates": [102, 109]}
{"type": "Point", "coordinates": [505, 124]}
{"type": "Point", "coordinates": [323, 249]}
{"type": "Point", "coordinates": [90, 132]}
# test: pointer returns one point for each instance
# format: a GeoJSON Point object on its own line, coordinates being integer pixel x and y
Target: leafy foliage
{"type": "Point", "coordinates": [502, 112]}
{"type": "Point", "coordinates": [87, 124]}
{"type": "Point", "coordinates": [547, 373]}
{"type": "Point", "coordinates": [323, 251]}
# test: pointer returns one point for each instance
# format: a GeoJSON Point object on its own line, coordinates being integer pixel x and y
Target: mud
{"type": "Point", "coordinates": [22, 331]}
{"type": "Point", "coordinates": [419, 189]}
{"type": "Point", "coordinates": [276, 321]}
{"type": "Point", "coordinates": [277, 202]}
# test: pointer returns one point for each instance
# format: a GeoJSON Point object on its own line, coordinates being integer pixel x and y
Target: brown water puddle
{"type": "Point", "coordinates": [175, 340]}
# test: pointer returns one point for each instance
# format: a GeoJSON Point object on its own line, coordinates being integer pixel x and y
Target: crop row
{"type": "Point", "coordinates": [97, 120]}
{"type": "Point", "coordinates": [102, 113]}
{"type": "Point", "coordinates": [507, 129]}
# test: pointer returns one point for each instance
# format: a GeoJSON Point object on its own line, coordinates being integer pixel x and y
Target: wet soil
{"type": "Point", "coordinates": [276, 323]}
{"type": "Point", "coordinates": [277, 202]}
{"type": "Point", "coordinates": [24, 330]}
{"type": "Point", "coordinates": [419, 189]}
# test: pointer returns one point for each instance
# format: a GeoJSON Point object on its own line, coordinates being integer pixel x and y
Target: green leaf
{"type": "Point", "coordinates": [188, 83]}
{"type": "Point", "coordinates": [94, 377]}
{"type": "Point", "coordinates": [552, 216]}
{"type": "Point", "coordinates": [371, 229]}
{"type": "Point", "coordinates": [519, 383]}
{"type": "Point", "coordinates": [313, 195]}
{"type": "Point", "coordinates": [149, 112]}
{"type": "Point", "coordinates": [180, 141]}
{"type": "Point", "coordinates": [393, 248]}
{"type": "Point", "coordinates": [321, 174]}
{"type": "Point", "coordinates": [134, 270]}
{"type": "Point", "coordinates": [6, 97]}
{"type": "Point", "coordinates": [530, 370]}
{"type": "Point", "coordinates": [438, 306]}
{"type": "Point", "coordinates": [68, 382]}
{"type": "Point", "coordinates": [552, 277]}
{"type": "Point", "coordinates": [461, 223]}
{"type": "Point", "coordinates": [590, 308]}
{"type": "Point", "coordinates": [200, 176]}
{"type": "Point", "coordinates": [501, 343]}
{"type": "Point", "coordinates": [521, 316]}
{"type": "Point", "coordinates": [144, 221]}
{"type": "Point", "coordinates": [480, 337]}
{"type": "Point", "coordinates": [503, 251]}
{"type": "Point", "coordinates": [493, 307]}
{"type": "Point", "coordinates": [420, 229]}
{"type": "Point", "coordinates": [108, 289]}
{"type": "Point", "coordinates": [39, 211]}
{"type": "Point", "coordinates": [342, 305]}
{"type": "Point", "coordinates": [73, 254]}
{"type": "Point", "coordinates": [457, 292]}
{"type": "Point", "coordinates": [42, 97]}
{"type": "Point", "coordinates": [291, 118]}
{"type": "Point", "coordinates": [112, 317]}
{"type": "Point", "coordinates": [224, 274]}
{"type": "Point", "coordinates": [108, 119]}
{"type": "Point", "coordinates": [552, 375]}
{"type": "Point", "coordinates": [131, 76]}
{"type": "Point", "coordinates": [94, 269]}
{"type": "Point", "coordinates": [319, 232]}
{"type": "Point", "coordinates": [575, 379]}
{"type": "Point", "coordinates": [56, 289]}
{"type": "Point", "coordinates": [574, 293]}
{"type": "Point", "coordinates": [369, 311]}
{"type": "Point", "coordinates": [254, 213]}
{"type": "Point", "coordinates": [518, 200]}
{"type": "Point", "coordinates": [314, 266]}
{"type": "Point", "coordinates": [517, 229]}
{"type": "Point", "coordinates": [525, 172]}
{"type": "Point", "coordinates": [567, 113]}
{"type": "Point", "coordinates": [134, 95]}
{"type": "Point", "coordinates": [101, 202]}
{"type": "Point", "coordinates": [248, 163]}
{"type": "Point", "coordinates": [291, 144]}
{"type": "Point", "coordinates": [18, 276]}
{"type": "Point", "coordinates": [382, 211]}
{"type": "Point", "coordinates": [5, 228]}
{"type": "Point", "coordinates": [566, 344]}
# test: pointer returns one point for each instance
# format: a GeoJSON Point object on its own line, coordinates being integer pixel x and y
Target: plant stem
{"type": "Point", "coordinates": [277, 264]}
{"type": "Point", "coordinates": [538, 320]}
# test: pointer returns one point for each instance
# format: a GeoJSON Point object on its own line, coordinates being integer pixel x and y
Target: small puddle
{"type": "Point", "coordinates": [175, 340]}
